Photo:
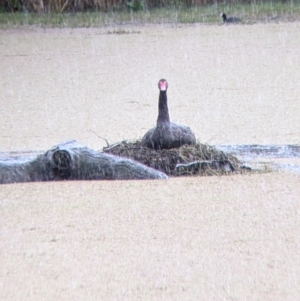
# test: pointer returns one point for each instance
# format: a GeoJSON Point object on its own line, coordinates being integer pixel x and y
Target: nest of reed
{"type": "Point", "coordinates": [199, 159]}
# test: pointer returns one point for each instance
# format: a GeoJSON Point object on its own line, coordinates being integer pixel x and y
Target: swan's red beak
{"type": "Point", "coordinates": [162, 85]}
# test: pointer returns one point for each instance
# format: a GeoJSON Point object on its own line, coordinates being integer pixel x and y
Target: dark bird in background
{"type": "Point", "coordinates": [230, 19]}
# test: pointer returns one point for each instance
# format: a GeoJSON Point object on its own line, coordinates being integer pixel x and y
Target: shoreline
{"type": "Point", "coordinates": [143, 25]}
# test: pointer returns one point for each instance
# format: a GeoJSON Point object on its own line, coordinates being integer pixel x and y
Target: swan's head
{"type": "Point", "coordinates": [163, 85]}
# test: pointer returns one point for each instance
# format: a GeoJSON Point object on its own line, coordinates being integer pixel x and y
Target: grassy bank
{"type": "Point", "coordinates": [249, 13]}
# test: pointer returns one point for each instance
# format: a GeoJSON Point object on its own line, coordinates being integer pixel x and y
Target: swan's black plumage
{"type": "Point", "coordinates": [229, 19]}
{"type": "Point", "coordinates": [166, 134]}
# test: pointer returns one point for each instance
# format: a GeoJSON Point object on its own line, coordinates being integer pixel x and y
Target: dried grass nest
{"type": "Point", "coordinates": [199, 159]}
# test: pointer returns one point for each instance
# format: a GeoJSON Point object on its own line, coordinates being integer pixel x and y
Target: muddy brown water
{"type": "Point", "coordinates": [212, 238]}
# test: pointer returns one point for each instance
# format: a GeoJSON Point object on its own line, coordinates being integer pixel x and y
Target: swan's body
{"type": "Point", "coordinates": [166, 134]}
{"type": "Point", "coordinates": [229, 19]}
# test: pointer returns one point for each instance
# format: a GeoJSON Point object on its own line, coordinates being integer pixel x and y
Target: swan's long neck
{"type": "Point", "coordinates": [163, 112]}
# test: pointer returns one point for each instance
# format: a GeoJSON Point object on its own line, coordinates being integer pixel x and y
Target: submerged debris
{"type": "Point", "coordinates": [199, 159]}
{"type": "Point", "coordinates": [72, 161]}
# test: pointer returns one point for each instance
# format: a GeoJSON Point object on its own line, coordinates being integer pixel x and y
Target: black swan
{"type": "Point", "coordinates": [166, 134]}
{"type": "Point", "coordinates": [229, 19]}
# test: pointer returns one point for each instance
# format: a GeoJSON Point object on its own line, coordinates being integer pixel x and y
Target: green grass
{"type": "Point", "coordinates": [250, 13]}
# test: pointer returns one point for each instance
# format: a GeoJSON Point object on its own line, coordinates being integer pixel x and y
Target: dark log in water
{"type": "Point", "coordinates": [72, 161]}
{"type": "Point", "coordinates": [212, 165]}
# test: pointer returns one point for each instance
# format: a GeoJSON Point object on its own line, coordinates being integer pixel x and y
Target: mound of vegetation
{"type": "Point", "coordinates": [199, 159]}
